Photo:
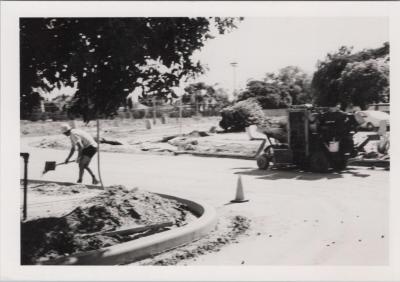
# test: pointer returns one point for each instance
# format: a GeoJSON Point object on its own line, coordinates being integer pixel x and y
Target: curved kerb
{"type": "Point", "coordinates": [147, 246]}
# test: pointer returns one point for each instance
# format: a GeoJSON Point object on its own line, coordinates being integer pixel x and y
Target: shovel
{"type": "Point", "coordinates": [52, 166]}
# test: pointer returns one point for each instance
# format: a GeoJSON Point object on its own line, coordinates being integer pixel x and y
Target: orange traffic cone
{"type": "Point", "coordinates": [239, 192]}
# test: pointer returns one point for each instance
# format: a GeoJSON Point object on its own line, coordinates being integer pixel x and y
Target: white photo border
{"type": "Point", "coordinates": [10, 268]}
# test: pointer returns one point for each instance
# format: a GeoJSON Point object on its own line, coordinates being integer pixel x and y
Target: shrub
{"type": "Point", "coordinates": [241, 115]}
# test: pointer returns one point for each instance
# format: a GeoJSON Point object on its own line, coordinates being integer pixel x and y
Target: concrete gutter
{"type": "Point", "coordinates": [352, 162]}
{"type": "Point", "coordinates": [215, 155]}
{"type": "Point", "coordinates": [146, 246]}
{"type": "Point", "coordinates": [370, 163]}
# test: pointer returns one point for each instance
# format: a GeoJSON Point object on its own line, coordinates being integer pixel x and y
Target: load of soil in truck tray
{"type": "Point", "coordinates": [86, 227]}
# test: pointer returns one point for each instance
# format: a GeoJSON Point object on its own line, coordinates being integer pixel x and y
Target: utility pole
{"type": "Point", "coordinates": [234, 65]}
{"type": "Point", "coordinates": [154, 109]}
{"type": "Point", "coordinates": [196, 101]}
{"type": "Point", "coordinates": [180, 116]}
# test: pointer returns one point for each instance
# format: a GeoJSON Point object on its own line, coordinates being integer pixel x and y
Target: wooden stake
{"type": "Point", "coordinates": [98, 152]}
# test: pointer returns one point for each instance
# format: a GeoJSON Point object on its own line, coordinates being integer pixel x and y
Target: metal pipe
{"type": "Point", "coordinates": [26, 159]}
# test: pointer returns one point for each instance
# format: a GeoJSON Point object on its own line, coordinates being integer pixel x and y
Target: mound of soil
{"type": "Point", "coordinates": [184, 143]}
{"type": "Point", "coordinates": [83, 229]}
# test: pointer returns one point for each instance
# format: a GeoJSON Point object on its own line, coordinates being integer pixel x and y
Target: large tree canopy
{"type": "Point", "coordinates": [269, 95]}
{"type": "Point", "coordinates": [290, 85]}
{"type": "Point", "coordinates": [195, 92]}
{"type": "Point", "coordinates": [347, 78]}
{"type": "Point", "coordinates": [365, 82]}
{"type": "Point", "coordinates": [293, 80]}
{"type": "Point", "coordinates": [110, 57]}
{"type": "Point", "coordinates": [209, 96]}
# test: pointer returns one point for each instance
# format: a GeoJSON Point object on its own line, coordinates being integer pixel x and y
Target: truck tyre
{"type": "Point", "coordinates": [339, 164]}
{"type": "Point", "coordinates": [263, 161]}
{"type": "Point", "coordinates": [319, 162]}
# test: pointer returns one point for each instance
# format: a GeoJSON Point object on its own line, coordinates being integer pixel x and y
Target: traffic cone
{"type": "Point", "coordinates": [239, 192]}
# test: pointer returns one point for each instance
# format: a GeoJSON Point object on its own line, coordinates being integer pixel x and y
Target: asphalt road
{"type": "Point", "coordinates": [297, 218]}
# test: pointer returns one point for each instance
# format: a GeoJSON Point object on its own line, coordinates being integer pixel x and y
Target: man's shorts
{"type": "Point", "coordinates": [89, 151]}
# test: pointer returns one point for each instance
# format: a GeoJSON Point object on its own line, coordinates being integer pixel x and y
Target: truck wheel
{"type": "Point", "coordinates": [339, 164]}
{"type": "Point", "coordinates": [263, 161]}
{"type": "Point", "coordinates": [319, 162]}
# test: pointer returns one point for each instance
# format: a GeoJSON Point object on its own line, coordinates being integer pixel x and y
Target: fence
{"type": "Point", "coordinates": [142, 112]}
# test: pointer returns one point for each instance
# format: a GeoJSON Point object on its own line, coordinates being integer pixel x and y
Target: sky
{"type": "Point", "coordinates": [261, 45]}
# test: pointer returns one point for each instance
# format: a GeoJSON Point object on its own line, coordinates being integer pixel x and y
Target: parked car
{"type": "Point", "coordinates": [371, 119]}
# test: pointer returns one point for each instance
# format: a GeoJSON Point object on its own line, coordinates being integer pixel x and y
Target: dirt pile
{"type": "Point", "coordinates": [188, 141]}
{"type": "Point", "coordinates": [83, 229]}
{"type": "Point", "coordinates": [184, 143]}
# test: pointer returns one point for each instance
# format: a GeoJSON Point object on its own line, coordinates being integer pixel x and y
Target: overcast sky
{"type": "Point", "coordinates": [261, 45]}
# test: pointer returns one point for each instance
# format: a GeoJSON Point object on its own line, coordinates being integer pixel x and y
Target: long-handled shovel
{"type": "Point", "coordinates": [52, 165]}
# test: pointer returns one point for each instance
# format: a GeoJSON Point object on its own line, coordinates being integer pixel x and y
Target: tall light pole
{"type": "Point", "coordinates": [234, 65]}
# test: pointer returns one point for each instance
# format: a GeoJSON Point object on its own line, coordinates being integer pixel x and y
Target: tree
{"type": "Point", "coordinates": [204, 98]}
{"type": "Point", "coordinates": [110, 57]}
{"type": "Point", "coordinates": [221, 97]}
{"type": "Point", "coordinates": [269, 95]}
{"type": "Point", "coordinates": [29, 103]}
{"type": "Point", "coordinates": [297, 82]}
{"type": "Point", "coordinates": [326, 79]}
{"type": "Point", "coordinates": [196, 92]}
{"type": "Point", "coordinates": [364, 82]}
{"type": "Point", "coordinates": [339, 78]}
{"type": "Point", "coordinates": [290, 85]}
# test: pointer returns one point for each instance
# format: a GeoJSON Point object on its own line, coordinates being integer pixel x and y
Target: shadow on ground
{"type": "Point", "coordinates": [294, 173]}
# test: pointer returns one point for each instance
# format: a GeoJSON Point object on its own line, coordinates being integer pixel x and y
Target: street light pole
{"type": "Point", "coordinates": [234, 65]}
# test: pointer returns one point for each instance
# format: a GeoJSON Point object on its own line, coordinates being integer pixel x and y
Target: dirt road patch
{"type": "Point", "coordinates": [54, 189]}
{"type": "Point", "coordinates": [192, 135]}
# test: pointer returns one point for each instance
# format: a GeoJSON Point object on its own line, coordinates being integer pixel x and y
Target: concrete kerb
{"type": "Point", "coordinates": [147, 246]}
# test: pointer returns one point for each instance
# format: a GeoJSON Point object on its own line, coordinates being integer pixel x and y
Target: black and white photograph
{"type": "Point", "coordinates": [176, 139]}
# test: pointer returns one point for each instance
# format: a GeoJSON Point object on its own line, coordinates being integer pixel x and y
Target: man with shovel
{"type": "Point", "coordinates": [87, 148]}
